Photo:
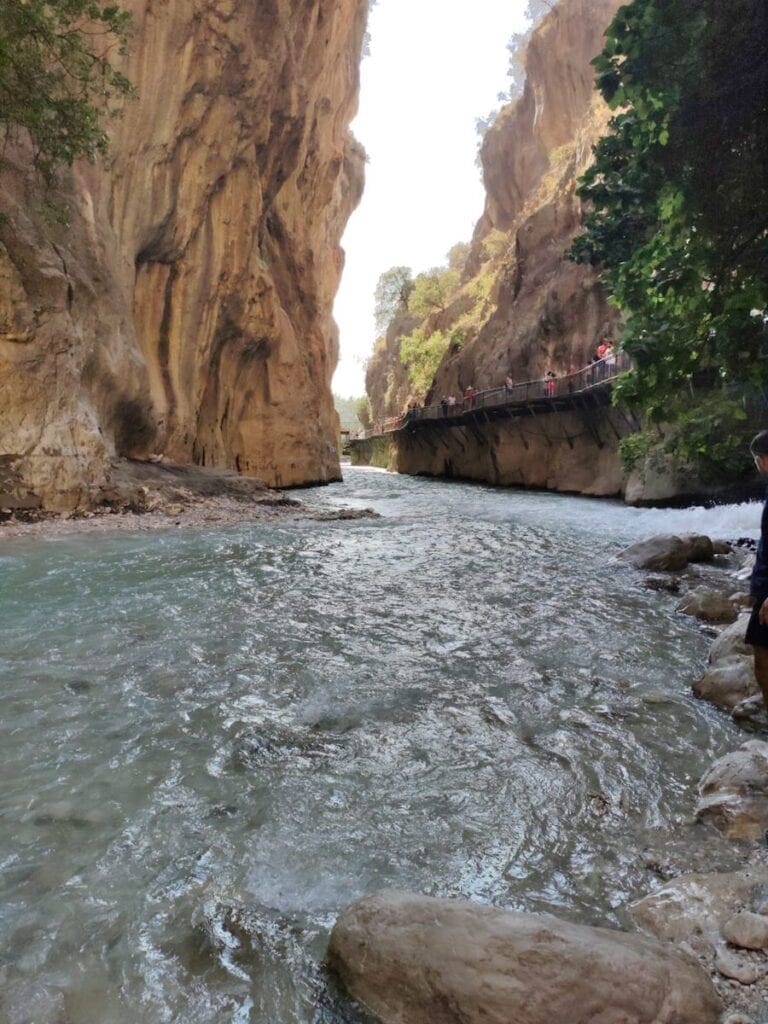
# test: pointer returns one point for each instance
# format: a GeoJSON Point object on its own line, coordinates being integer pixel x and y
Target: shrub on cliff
{"type": "Point", "coordinates": [56, 75]}
{"type": "Point", "coordinates": [678, 202]}
{"type": "Point", "coordinates": [393, 290]}
{"type": "Point", "coordinates": [421, 355]}
{"type": "Point", "coordinates": [432, 291]}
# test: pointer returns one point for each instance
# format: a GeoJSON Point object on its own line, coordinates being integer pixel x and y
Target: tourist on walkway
{"type": "Point", "coordinates": [444, 405]}
{"type": "Point", "coordinates": [509, 385]}
{"type": "Point", "coordinates": [469, 396]}
{"type": "Point", "coordinates": [550, 383]}
{"type": "Point", "coordinates": [757, 630]}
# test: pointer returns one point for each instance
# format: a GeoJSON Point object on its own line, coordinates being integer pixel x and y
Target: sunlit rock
{"type": "Point", "coordinates": [730, 675]}
{"type": "Point", "coordinates": [733, 794]}
{"type": "Point", "coordinates": [698, 905]}
{"type": "Point", "coordinates": [185, 309]}
{"type": "Point", "coordinates": [414, 960]}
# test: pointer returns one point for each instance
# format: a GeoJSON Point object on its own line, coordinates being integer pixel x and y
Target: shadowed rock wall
{"type": "Point", "coordinates": [568, 452]}
{"type": "Point", "coordinates": [186, 307]}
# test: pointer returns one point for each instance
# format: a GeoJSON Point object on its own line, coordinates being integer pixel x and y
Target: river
{"type": "Point", "coordinates": [212, 740]}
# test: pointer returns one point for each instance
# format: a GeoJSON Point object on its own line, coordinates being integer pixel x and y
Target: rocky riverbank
{"type": "Point", "coordinates": [163, 495]}
{"type": "Point", "coordinates": [700, 952]}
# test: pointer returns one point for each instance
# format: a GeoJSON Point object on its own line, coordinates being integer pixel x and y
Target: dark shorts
{"type": "Point", "coordinates": [756, 635]}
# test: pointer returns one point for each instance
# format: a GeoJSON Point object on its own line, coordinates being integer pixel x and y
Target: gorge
{"type": "Point", "coordinates": [522, 308]}
{"type": "Point", "coordinates": [398, 748]}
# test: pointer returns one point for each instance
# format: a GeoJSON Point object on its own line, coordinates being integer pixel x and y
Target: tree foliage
{"type": "Point", "coordinates": [391, 296]}
{"type": "Point", "coordinates": [458, 255]}
{"type": "Point", "coordinates": [363, 412]}
{"type": "Point", "coordinates": [432, 291]}
{"type": "Point", "coordinates": [57, 78]}
{"type": "Point", "coordinates": [421, 355]}
{"type": "Point", "coordinates": [678, 193]}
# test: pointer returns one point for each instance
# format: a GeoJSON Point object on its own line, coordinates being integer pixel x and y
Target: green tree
{"type": "Point", "coordinates": [678, 197]}
{"type": "Point", "coordinates": [458, 255]}
{"type": "Point", "coordinates": [57, 79]}
{"type": "Point", "coordinates": [421, 357]}
{"type": "Point", "coordinates": [363, 412]}
{"type": "Point", "coordinates": [391, 296]}
{"type": "Point", "coordinates": [432, 291]}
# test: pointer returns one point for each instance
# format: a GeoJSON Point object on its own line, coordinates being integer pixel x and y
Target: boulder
{"type": "Point", "coordinates": [730, 676]}
{"type": "Point", "coordinates": [665, 553]}
{"type": "Point", "coordinates": [415, 960]}
{"type": "Point", "coordinates": [708, 605]}
{"type": "Point", "coordinates": [733, 794]}
{"type": "Point", "coordinates": [698, 547]}
{"type": "Point", "coordinates": [699, 905]}
{"type": "Point", "coordinates": [747, 930]}
{"type": "Point", "coordinates": [731, 643]}
{"type": "Point", "coordinates": [721, 547]}
{"type": "Point", "coordinates": [725, 685]}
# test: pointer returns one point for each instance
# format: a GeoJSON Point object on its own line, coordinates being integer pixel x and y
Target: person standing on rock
{"type": "Point", "coordinates": [757, 630]}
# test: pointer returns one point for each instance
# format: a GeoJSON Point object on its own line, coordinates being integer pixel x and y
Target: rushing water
{"type": "Point", "coordinates": [212, 740]}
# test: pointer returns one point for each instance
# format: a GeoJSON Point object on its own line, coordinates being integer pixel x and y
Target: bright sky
{"type": "Point", "coordinates": [435, 66]}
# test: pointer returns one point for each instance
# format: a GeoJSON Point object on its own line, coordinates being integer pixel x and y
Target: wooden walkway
{"type": "Point", "coordinates": [588, 388]}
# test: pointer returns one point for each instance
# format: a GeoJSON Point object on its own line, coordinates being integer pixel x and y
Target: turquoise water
{"type": "Point", "coordinates": [212, 740]}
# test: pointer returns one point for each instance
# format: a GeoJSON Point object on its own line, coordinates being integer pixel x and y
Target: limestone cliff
{"type": "Point", "coordinates": [185, 308]}
{"type": "Point", "coordinates": [548, 313]}
{"type": "Point", "coordinates": [522, 307]}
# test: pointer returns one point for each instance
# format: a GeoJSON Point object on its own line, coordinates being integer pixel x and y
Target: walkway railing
{"type": "Point", "coordinates": [596, 375]}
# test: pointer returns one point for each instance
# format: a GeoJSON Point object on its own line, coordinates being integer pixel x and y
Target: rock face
{"type": "Point", "coordinates": [535, 309]}
{"type": "Point", "coordinates": [548, 312]}
{"type": "Point", "coordinates": [186, 308]}
{"type": "Point", "coordinates": [414, 960]}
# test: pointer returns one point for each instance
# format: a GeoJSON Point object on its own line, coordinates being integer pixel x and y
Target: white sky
{"type": "Point", "coordinates": [435, 66]}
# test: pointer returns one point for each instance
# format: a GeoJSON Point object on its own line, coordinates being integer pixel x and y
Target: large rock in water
{"type": "Point", "coordinates": [708, 605]}
{"type": "Point", "coordinates": [658, 554]}
{"type": "Point", "coordinates": [415, 960]}
{"type": "Point", "coordinates": [734, 792]}
{"type": "Point", "coordinates": [730, 676]}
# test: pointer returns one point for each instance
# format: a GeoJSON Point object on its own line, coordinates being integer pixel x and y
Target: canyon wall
{"type": "Point", "coordinates": [546, 312]}
{"type": "Point", "coordinates": [185, 309]}
{"type": "Point", "coordinates": [574, 452]}
{"type": "Point", "coordinates": [522, 308]}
